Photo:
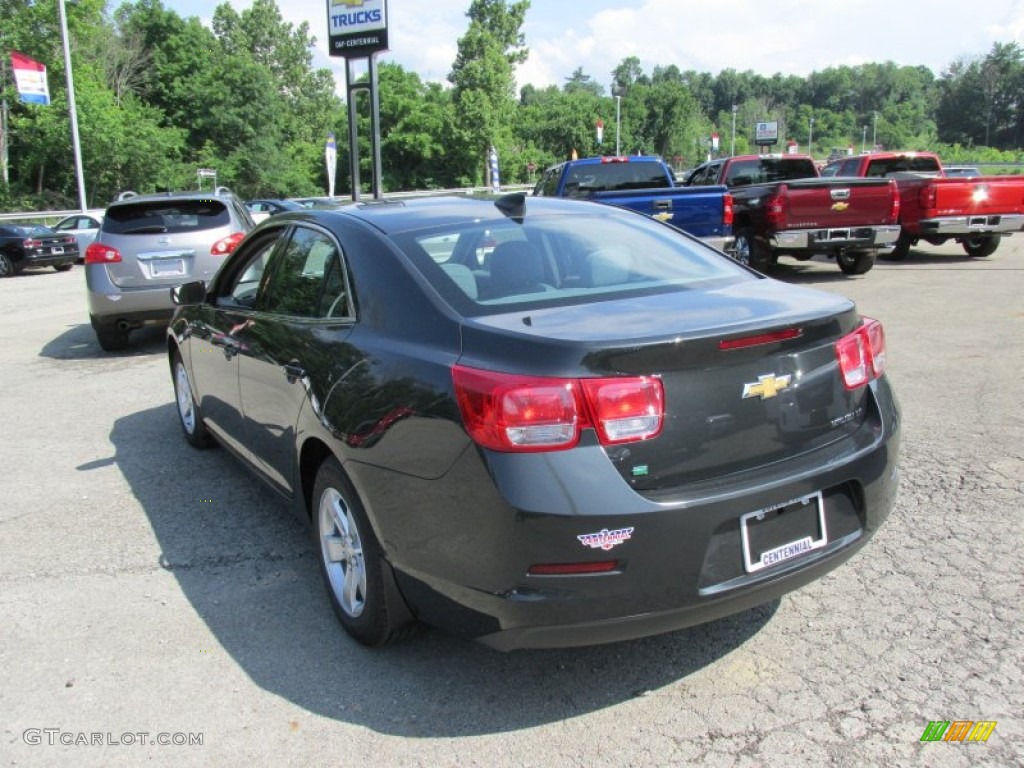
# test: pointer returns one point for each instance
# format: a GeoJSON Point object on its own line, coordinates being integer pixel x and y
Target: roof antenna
{"type": "Point", "coordinates": [512, 205]}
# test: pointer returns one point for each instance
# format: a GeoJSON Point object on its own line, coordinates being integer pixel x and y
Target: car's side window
{"type": "Point", "coordinates": [309, 278]}
{"type": "Point", "coordinates": [243, 287]}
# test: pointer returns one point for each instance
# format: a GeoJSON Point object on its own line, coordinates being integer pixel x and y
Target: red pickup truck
{"type": "Point", "coordinates": [781, 207]}
{"type": "Point", "coordinates": [975, 211]}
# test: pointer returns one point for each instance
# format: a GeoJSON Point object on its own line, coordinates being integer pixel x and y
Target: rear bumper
{"type": "Point", "coordinates": [462, 557]}
{"type": "Point", "coordinates": [48, 259]}
{"type": "Point", "coordinates": [724, 243]}
{"type": "Point", "coordinates": [971, 225]}
{"type": "Point", "coordinates": [109, 304]}
{"type": "Point", "coordinates": [830, 239]}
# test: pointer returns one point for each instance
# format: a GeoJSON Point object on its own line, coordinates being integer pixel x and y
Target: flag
{"type": "Point", "coordinates": [30, 77]}
{"type": "Point", "coordinates": [331, 158]}
{"type": "Point", "coordinates": [495, 179]}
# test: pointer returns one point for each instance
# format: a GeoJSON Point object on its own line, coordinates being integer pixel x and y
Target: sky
{"type": "Point", "coordinates": [791, 37]}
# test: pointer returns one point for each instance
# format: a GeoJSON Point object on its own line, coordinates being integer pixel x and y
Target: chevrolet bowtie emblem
{"type": "Point", "coordinates": [840, 206]}
{"type": "Point", "coordinates": [766, 386]}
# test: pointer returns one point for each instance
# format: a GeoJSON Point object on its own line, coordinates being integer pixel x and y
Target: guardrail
{"type": "Point", "coordinates": [41, 217]}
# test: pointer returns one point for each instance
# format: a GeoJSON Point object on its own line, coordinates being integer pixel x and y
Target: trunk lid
{"type": "Point", "coordinates": [726, 410]}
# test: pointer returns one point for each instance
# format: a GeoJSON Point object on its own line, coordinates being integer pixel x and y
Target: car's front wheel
{"type": "Point", "coordinates": [352, 562]}
{"type": "Point", "coordinates": [189, 416]}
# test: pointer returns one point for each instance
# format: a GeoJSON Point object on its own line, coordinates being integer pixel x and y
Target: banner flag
{"type": "Point", "coordinates": [30, 77]}
{"type": "Point", "coordinates": [331, 158]}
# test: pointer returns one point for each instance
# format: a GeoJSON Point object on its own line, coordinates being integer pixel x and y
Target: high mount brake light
{"type": "Point", "coordinates": [861, 354]}
{"type": "Point", "coordinates": [506, 412]}
{"type": "Point", "coordinates": [97, 253]}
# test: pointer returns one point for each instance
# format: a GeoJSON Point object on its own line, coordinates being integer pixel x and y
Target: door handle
{"type": "Point", "coordinates": [294, 371]}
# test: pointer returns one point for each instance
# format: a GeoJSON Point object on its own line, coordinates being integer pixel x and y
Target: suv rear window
{"type": "Point", "coordinates": [166, 216]}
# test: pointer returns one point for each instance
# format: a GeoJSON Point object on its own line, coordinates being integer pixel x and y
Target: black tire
{"type": "Point", "coordinates": [902, 248]}
{"type": "Point", "coordinates": [856, 263]}
{"type": "Point", "coordinates": [112, 338]}
{"type": "Point", "coordinates": [749, 251]}
{"type": "Point", "coordinates": [980, 246]}
{"type": "Point", "coordinates": [358, 580]}
{"type": "Point", "coordinates": [7, 267]}
{"type": "Point", "coordinates": [189, 415]}
{"type": "Point", "coordinates": [63, 267]}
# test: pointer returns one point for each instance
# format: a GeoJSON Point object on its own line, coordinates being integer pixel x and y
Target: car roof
{"type": "Point", "coordinates": [393, 216]}
{"type": "Point", "coordinates": [162, 196]}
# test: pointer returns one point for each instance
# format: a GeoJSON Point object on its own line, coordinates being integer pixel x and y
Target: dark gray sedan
{"type": "Point", "coordinates": [538, 422]}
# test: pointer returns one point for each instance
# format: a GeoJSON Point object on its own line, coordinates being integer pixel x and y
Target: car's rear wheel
{"type": "Point", "coordinates": [189, 416]}
{"type": "Point", "coordinates": [980, 246]}
{"type": "Point", "coordinates": [352, 562]}
{"type": "Point", "coordinates": [7, 267]}
{"type": "Point", "coordinates": [112, 338]}
{"type": "Point", "coordinates": [856, 263]}
{"type": "Point", "coordinates": [62, 267]}
{"type": "Point", "coordinates": [750, 252]}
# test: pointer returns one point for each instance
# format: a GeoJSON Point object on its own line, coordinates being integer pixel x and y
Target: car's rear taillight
{"type": "Point", "coordinates": [894, 202]}
{"type": "Point", "coordinates": [927, 197]}
{"type": "Point", "coordinates": [226, 245]}
{"type": "Point", "coordinates": [775, 208]}
{"type": "Point", "coordinates": [862, 354]}
{"type": "Point", "coordinates": [506, 412]}
{"type": "Point", "coordinates": [627, 409]}
{"type": "Point", "coordinates": [97, 253]}
{"type": "Point", "coordinates": [728, 212]}
{"type": "Point", "coordinates": [31, 243]}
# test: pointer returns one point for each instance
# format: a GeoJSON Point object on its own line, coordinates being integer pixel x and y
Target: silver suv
{"type": "Point", "coordinates": [149, 243]}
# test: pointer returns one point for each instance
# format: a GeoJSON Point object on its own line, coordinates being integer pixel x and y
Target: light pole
{"type": "Point", "coordinates": [874, 132]}
{"type": "Point", "coordinates": [618, 91]}
{"type": "Point", "coordinates": [810, 138]}
{"type": "Point", "coordinates": [864, 140]}
{"type": "Point", "coordinates": [732, 147]}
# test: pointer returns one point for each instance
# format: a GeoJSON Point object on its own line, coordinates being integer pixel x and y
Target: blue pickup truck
{"type": "Point", "coordinates": [645, 183]}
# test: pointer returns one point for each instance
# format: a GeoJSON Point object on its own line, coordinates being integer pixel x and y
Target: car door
{"type": "Point", "coordinates": [218, 337]}
{"type": "Point", "coordinates": [304, 306]}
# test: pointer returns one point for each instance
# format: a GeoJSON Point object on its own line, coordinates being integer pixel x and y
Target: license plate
{"type": "Point", "coordinates": [167, 267]}
{"type": "Point", "coordinates": [57, 249]}
{"type": "Point", "coordinates": [783, 532]}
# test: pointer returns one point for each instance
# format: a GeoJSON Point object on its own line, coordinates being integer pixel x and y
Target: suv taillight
{"type": "Point", "coordinates": [97, 253]}
{"type": "Point", "coordinates": [728, 212]}
{"type": "Point", "coordinates": [506, 412]}
{"type": "Point", "coordinates": [226, 245]}
{"type": "Point", "coordinates": [861, 354]}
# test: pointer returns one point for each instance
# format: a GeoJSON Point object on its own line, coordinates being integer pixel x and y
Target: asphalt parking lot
{"type": "Point", "coordinates": [150, 593]}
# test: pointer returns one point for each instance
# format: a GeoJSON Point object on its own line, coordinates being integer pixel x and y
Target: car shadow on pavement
{"type": "Point", "coordinates": [246, 566]}
{"type": "Point", "coordinates": [78, 342]}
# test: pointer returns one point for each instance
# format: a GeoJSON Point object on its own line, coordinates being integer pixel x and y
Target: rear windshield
{"type": "Point", "coordinates": [584, 180]}
{"type": "Point", "coordinates": [765, 170]}
{"type": "Point", "coordinates": [884, 166]}
{"type": "Point", "coordinates": [166, 216]}
{"type": "Point", "coordinates": [489, 267]}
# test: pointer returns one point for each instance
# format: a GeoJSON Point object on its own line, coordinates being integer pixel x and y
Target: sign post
{"type": "Point", "coordinates": [358, 29]}
{"type": "Point", "coordinates": [766, 134]}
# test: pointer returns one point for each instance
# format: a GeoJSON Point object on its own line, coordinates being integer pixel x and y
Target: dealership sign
{"type": "Point", "coordinates": [357, 28]}
{"type": "Point", "coordinates": [30, 77]}
{"type": "Point", "coordinates": [766, 133]}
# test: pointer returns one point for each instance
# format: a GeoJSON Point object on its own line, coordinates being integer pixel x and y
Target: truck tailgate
{"type": "Point", "coordinates": [850, 202]}
{"type": "Point", "coordinates": [980, 195]}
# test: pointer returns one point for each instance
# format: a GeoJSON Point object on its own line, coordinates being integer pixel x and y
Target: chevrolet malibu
{"type": "Point", "coordinates": [538, 423]}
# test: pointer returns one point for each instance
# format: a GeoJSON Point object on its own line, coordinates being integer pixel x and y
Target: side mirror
{"type": "Point", "coordinates": [189, 293]}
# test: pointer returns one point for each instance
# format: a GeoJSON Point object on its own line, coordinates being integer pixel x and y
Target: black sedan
{"type": "Point", "coordinates": [35, 246]}
{"type": "Point", "coordinates": [538, 422]}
